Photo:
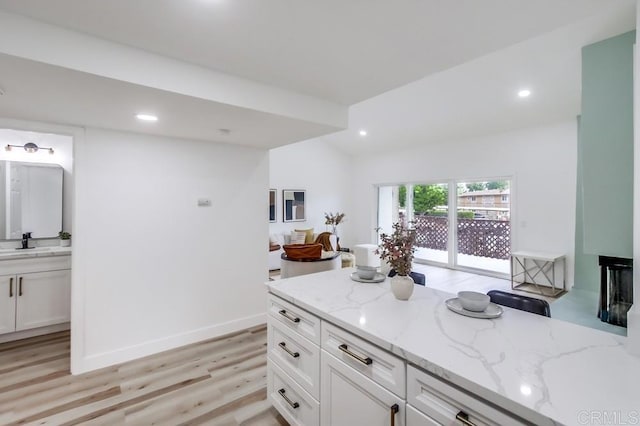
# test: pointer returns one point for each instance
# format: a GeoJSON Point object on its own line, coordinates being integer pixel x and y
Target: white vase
{"type": "Point", "coordinates": [65, 243]}
{"type": "Point", "coordinates": [402, 286]}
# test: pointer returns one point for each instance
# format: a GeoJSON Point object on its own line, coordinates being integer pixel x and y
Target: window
{"type": "Point", "coordinates": [473, 232]}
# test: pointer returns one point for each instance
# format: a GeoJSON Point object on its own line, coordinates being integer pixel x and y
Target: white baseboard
{"type": "Point", "coordinates": [106, 359]}
{"type": "Point", "coordinates": [18, 335]}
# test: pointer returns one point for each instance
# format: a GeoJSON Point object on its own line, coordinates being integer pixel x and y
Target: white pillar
{"type": "Point", "coordinates": [633, 317]}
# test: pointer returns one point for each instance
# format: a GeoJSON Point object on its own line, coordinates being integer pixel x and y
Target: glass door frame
{"type": "Point", "coordinates": [452, 215]}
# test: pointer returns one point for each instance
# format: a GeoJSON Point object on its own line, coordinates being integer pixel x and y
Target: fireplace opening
{"type": "Point", "coordinates": [616, 289]}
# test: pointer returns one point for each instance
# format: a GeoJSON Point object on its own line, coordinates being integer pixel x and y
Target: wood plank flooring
{"type": "Point", "coordinates": [216, 382]}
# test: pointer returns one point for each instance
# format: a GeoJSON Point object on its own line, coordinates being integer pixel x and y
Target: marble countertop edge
{"type": "Point", "coordinates": [492, 359]}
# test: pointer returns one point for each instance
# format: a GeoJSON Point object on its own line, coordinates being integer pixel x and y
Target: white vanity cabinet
{"type": "Point", "coordinates": [8, 296]}
{"type": "Point", "coordinates": [34, 292]}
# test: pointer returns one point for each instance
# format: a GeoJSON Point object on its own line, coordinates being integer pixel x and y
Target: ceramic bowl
{"type": "Point", "coordinates": [473, 301]}
{"type": "Point", "coordinates": [366, 272]}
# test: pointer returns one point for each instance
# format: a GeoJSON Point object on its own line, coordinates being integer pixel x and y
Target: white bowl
{"type": "Point", "coordinates": [366, 272]}
{"type": "Point", "coordinates": [473, 301]}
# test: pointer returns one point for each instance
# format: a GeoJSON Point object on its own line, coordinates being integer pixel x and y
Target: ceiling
{"type": "Point", "coordinates": [479, 97]}
{"type": "Point", "coordinates": [342, 51]}
{"type": "Point", "coordinates": [71, 97]}
{"type": "Point", "coordinates": [413, 71]}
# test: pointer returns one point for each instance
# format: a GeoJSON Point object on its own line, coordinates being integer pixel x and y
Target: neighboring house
{"type": "Point", "coordinates": [486, 204]}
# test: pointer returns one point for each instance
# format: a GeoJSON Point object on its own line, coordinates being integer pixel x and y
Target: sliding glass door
{"type": "Point", "coordinates": [483, 238]}
{"type": "Point", "coordinates": [464, 225]}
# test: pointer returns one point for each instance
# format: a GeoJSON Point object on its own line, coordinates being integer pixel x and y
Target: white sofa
{"type": "Point", "coordinates": [284, 238]}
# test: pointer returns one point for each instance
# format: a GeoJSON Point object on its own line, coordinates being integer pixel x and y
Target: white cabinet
{"type": "Point", "coordinates": [293, 362]}
{"type": "Point", "coordinates": [445, 404]}
{"type": "Point", "coordinates": [37, 297]}
{"type": "Point", "coordinates": [8, 298]}
{"type": "Point", "coordinates": [44, 298]}
{"type": "Point", "coordinates": [378, 365]}
{"type": "Point", "coordinates": [416, 418]}
{"type": "Point", "coordinates": [349, 398]}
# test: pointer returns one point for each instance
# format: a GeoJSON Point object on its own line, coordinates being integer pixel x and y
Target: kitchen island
{"type": "Point", "coordinates": [520, 368]}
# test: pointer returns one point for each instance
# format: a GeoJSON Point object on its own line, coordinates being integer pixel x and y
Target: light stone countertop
{"type": "Point", "coordinates": [544, 370]}
{"type": "Point", "coordinates": [12, 253]}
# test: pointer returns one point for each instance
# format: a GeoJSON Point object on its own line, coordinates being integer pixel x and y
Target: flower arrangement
{"type": "Point", "coordinates": [333, 219]}
{"type": "Point", "coordinates": [397, 248]}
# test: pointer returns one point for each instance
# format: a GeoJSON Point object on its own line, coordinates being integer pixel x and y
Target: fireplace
{"type": "Point", "coordinates": [616, 289]}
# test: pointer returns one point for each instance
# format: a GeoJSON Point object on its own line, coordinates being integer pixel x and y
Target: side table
{"type": "Point", "coordinates": [539, 273]}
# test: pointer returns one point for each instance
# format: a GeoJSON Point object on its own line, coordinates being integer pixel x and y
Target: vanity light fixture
{"type": "Point", "coordinates": [30, 147]}
{"type": "Point", "coordinates": [147, 117]}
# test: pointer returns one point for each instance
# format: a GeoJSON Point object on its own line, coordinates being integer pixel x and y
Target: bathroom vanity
{"type": "Point", "coordinates": [35, 291]}
{"type": "Point", "coordinates": [347, 353]}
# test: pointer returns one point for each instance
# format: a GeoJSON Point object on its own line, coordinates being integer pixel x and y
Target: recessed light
{"type": "Point", "coordinates": [363, 132]}
{"type": "Point", "coordinates": [146, 117]}
{"type": "Point", "coordinates": [524, 93]}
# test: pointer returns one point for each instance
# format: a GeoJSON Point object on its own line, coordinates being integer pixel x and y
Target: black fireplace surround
{"type": "Point", "coordinates": [616, 289]}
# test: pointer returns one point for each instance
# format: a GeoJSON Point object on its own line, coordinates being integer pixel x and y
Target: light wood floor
{"type": "Point", "coordinates": [216, 382]}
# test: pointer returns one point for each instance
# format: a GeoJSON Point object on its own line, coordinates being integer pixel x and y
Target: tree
{"type": "Point", "coordinates": [499, 184]}
{"type": "Point", "coordinates": [426, 197]}
{"type": "Point", "coordinates": [476, 186]}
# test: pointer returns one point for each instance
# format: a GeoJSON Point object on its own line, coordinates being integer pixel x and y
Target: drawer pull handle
{"type": "Point", "coordinates": [283, 345]}
{"type": "Point", "coordinates": [366, 361]}
{"type": "Point", "coordinates": [286, 398]}
{"type": "Point", "coordinates": [464, 419]}
{"type": "Point", "coordinates": [20, 286]}
{"type": "Point", "coordinates": [394, 410]}
{"type": "Point", "coordinates": [11, 287]}
{"type": "Point", "coordinates": [289, 317]}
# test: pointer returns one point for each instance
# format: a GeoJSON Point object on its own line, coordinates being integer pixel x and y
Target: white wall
{"type": "Point", "coordinates": [541, 162]}
{"type": "Point", "coordinates": [325, 173]}
{"type": "Point", "coordinates": [151, 270]}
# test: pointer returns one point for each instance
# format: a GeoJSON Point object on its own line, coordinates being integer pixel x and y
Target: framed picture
{"type": "Point", "coordinates": [293, 205]}
{"type": "Point", "coordinates": [272, 205]}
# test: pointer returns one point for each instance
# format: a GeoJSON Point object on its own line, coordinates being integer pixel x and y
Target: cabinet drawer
{"type": "Point", "coordinates": [291, 401]}
{"type": "Point", "coordinates": [379, 365]}
{"type": "Point", "coordinates": [416, 418]}
{"type": "Point", "coordinates": [296, 319]}
{"type": "Point", "coordinates": [36, 264]}
{"type": "Point", "coordinates": [297, 356]}
{"type": "Point", "coordinates": [443, 402]}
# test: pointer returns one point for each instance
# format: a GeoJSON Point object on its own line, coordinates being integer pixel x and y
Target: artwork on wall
{"type": "Point", "coordinates": [293, 205]}
{"type": "Point", "coordinates": [272, 205]}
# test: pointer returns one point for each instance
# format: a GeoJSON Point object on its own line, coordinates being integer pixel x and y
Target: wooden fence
{"type": "Point", "coordinates": [476, 237]}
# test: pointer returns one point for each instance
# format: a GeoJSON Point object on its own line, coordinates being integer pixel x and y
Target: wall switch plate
{"type": "Point", "coordinates": [204, 202]}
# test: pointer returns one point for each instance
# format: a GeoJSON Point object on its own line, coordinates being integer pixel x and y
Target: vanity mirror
{"type": "Point", "coordinates": [30, 200]}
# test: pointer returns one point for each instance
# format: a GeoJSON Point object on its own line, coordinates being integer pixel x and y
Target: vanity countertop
{"type": "Point", "coordinates": [12, 253]}
{"type": "Point", "coordinates": [544, 370]}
